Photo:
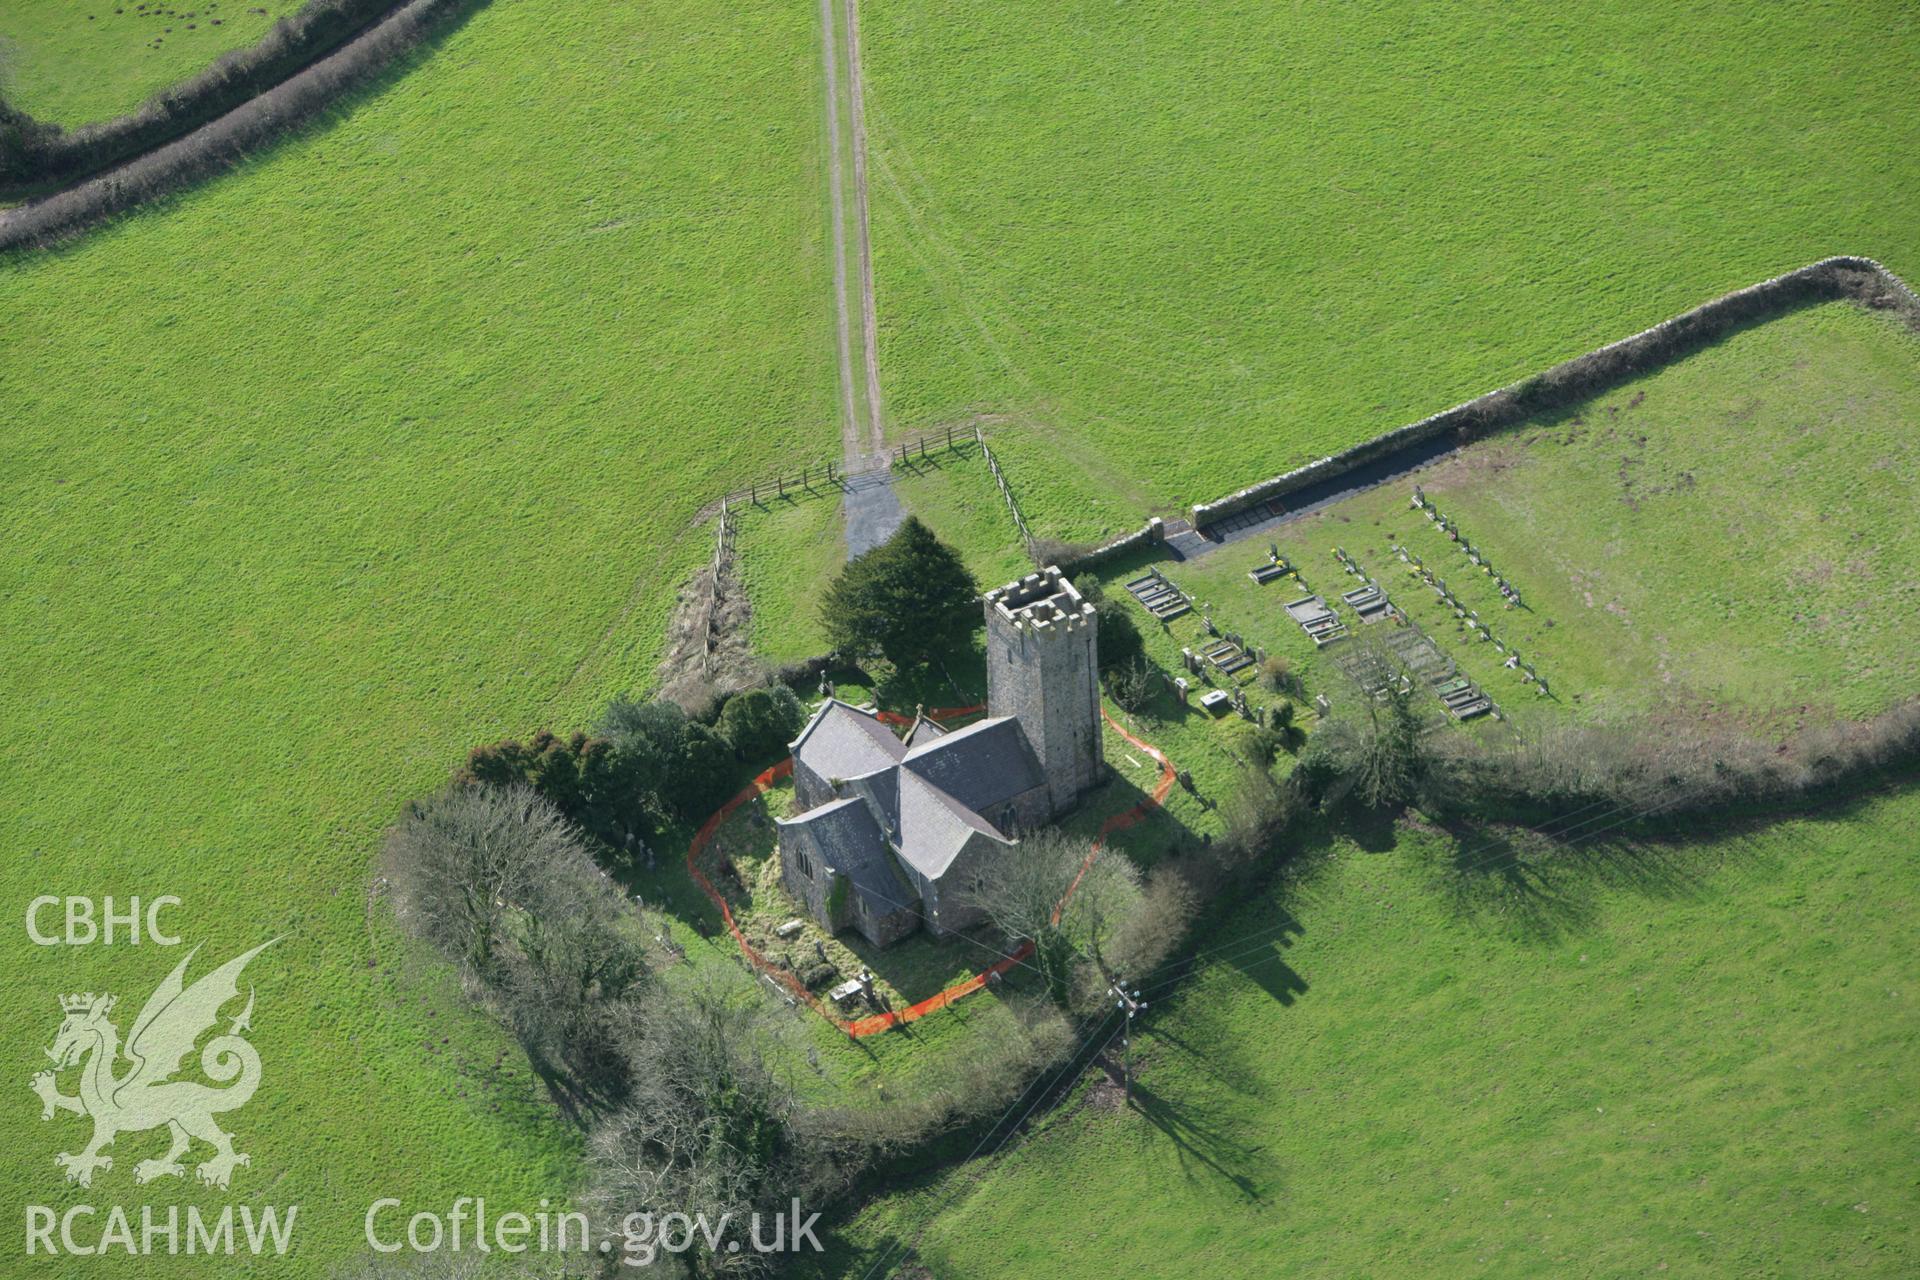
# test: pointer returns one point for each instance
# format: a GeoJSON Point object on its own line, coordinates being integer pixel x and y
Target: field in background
{"type": "Point", "coordinates": [1192, 245]}
{"type": "Point", "coordinates": [341, 464]}
{"type": "Point", "coordinates": [75, 62]}
{"type": "Point", "coordinates": [1449, 1056]}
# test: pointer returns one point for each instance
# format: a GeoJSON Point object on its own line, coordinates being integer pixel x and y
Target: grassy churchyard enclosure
{"type": "Point", "coordinates": [1729, 533]}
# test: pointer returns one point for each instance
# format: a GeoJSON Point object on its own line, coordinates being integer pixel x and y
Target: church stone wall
{"type": "Point", "coordinates": [1043, 668]}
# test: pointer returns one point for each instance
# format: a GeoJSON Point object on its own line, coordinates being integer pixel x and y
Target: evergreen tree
{"type": "Point", "coordinates": [909, 598]}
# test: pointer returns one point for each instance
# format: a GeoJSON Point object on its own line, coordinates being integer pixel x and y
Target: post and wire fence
{"type": "Point", "coordinates": [831, 478]}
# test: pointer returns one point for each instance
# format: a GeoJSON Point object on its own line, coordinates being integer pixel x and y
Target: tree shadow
{"type": "Point", "coordinates": [843, 1253]}
{"type": "Point", "coordinates": [1372, 830]}
{"type": "Point", "coordinates": [1248, 1169]}
{"type": "Point", "coordinates": [1489, 877]}
{"type": "Point", "coordinates": [1217, 1067]}
{"type": "Point", "coordinates": [956, 677]}
{"type": "Point", "coordinates": [1546, 890]}
{"type": "Point", "coordinates": [921, 965]}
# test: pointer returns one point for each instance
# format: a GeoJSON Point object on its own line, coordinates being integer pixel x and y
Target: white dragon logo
{"type": "Point", "coordinates": [174, 1017]}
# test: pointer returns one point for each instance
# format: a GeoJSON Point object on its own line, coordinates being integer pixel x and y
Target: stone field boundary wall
{"type": "Point", "coordinates": [1596, 371]}
{"type": "Point", "coordinates": [227, 139]}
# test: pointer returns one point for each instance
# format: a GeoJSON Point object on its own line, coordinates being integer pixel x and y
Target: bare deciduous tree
{"type": "Point", "coordinates": [1051, 890]}
{"type": "Point", "coordinates": [1133, 684]}
{"type": "Point", "coordinates": [707, 1128]}
{"type": "Point", "coordinates": [502, 884]}
{"type": "Point", "coordinates": [1155, 926]}
{"type": "Point", "coordinates": [462, 859]}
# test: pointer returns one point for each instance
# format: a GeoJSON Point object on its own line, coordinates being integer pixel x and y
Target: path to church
{"type": "Point", "coordinates": [966, 986]}
{"type": "Point", "coordinates": [871, 508]}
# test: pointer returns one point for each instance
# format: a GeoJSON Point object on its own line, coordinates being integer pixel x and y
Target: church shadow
{"type": "Point", "coordinates": [921, 965]}
{"type": "Point", "coordinates": [1145, 832]}
{"type": "Point", "coordinates": [1266, 967]}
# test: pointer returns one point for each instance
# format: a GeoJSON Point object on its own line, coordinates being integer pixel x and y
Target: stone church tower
{"type": "Point", "coordinates": [1043, 669]}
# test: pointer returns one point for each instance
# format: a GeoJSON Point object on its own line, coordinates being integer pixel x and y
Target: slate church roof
{"type": "Point", "coordinates": [922, 731]}
{"type": "Point", "coordinates": [982, 765]}
{"type": "Point", "coordinates": [843, 835]}
{"type": "Point", "coordinates": [844, 742]}
{"type": "Point", "coordinates": [922, 799]}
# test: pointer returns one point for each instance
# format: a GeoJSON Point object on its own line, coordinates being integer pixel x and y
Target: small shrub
{"type": "Point", "coordinates": [1133, 685]}
{"type": "Point", "coordinates": [759, 723]}
{"type": "Point", "coordinates": [1055, 551]}
{"type": "Point", "coordinates": [1255, 815]}
{"type": "Point", "coordinates": [1119, 639]}
{"type": "Point", "coordinates": [699, 776]}
{"type": "Point", "coordinates": [1276, 674]}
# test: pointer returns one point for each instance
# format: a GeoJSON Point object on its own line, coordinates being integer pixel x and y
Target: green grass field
{"type": "Point", "coordinates": [1191, 245]}
{"type": "Point", "coordinates": [1688, 1060]}
{"type": "Point", "coordinates": [389, 442]}
{"type": "Point", "coordinates": [381, 447]}
{"type": "Point", "coordinates": [788, 549]}
{"type": "Point", "coordinates": [74, 62]}
{"type": "Point", "coordinates": [953, 493]}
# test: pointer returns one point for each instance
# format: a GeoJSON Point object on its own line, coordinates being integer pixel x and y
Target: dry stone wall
{"type": "Point", "coordinates": [1597, 370]}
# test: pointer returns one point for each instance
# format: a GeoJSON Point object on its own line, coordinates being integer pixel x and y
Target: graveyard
{"type": "Point", "coordinates": [1674, 542]}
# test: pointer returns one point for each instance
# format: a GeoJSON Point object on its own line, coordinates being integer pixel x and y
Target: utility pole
{"type": "Point", "coordinates": [1129, 1003]}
